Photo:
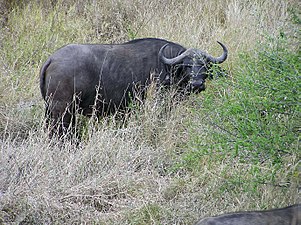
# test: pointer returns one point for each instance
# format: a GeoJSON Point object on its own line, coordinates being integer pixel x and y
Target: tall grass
{"type": "Point", "coordinates": [233, 147]}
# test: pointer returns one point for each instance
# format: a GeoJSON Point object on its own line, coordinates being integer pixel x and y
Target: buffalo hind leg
{"type": "Point", "coordinates": [60, 119]}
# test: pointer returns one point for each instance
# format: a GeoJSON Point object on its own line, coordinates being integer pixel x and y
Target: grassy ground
{"type": "Point", "coordinates": [233, 147]}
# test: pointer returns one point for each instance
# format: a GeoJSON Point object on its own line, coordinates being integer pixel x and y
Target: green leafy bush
{"type": "Point", "coordinates": [255, 115]}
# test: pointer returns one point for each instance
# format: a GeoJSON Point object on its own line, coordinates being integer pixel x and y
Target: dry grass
{"type": "Point", "coordinates": [127, 174]}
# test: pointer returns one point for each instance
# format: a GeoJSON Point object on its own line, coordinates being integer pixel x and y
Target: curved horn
{"type": "Point", "coordinates": [174, 60]}
{"type": "Point", "coordinates": [220, 59]}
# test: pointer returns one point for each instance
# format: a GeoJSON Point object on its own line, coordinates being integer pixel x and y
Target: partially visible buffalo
{"type": "Point", "coordinates": [290, 215]}
{"type": "Point", "coordinates": [100, 79]}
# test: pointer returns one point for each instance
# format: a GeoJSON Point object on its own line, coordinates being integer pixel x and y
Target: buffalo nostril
{"type": "Point", "coordinates": [198, 83]}
{"type": "Point", "coordinates": [198, 87]}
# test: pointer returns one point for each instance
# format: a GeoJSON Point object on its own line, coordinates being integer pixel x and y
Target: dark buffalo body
{"type": "Point", "coordinates": [101, 78]}
{"type": "Point", "coordinates": [290, 215]}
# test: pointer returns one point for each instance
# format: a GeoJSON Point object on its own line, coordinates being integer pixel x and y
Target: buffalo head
{"type": "Point", "coordinates": [195, 64]}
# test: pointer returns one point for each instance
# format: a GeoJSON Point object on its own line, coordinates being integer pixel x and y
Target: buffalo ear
{"type": "Point", "coordinates": [216, 72]}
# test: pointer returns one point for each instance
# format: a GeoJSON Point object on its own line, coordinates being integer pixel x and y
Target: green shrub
{"type": "Point", "coordinates": [254, 115]}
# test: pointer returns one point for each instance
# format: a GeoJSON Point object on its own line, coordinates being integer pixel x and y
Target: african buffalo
{"type": "Point", "coordinates": [290, 215]}
{"type": "Point", "coordinates": [100, 79]}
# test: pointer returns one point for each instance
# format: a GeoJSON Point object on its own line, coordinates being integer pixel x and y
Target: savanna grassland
{"type": "Point", "coordinates": [235, 146]}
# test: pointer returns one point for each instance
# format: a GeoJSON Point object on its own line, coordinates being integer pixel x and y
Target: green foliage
{"type": "Point", "coordinates": [254, 117]}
